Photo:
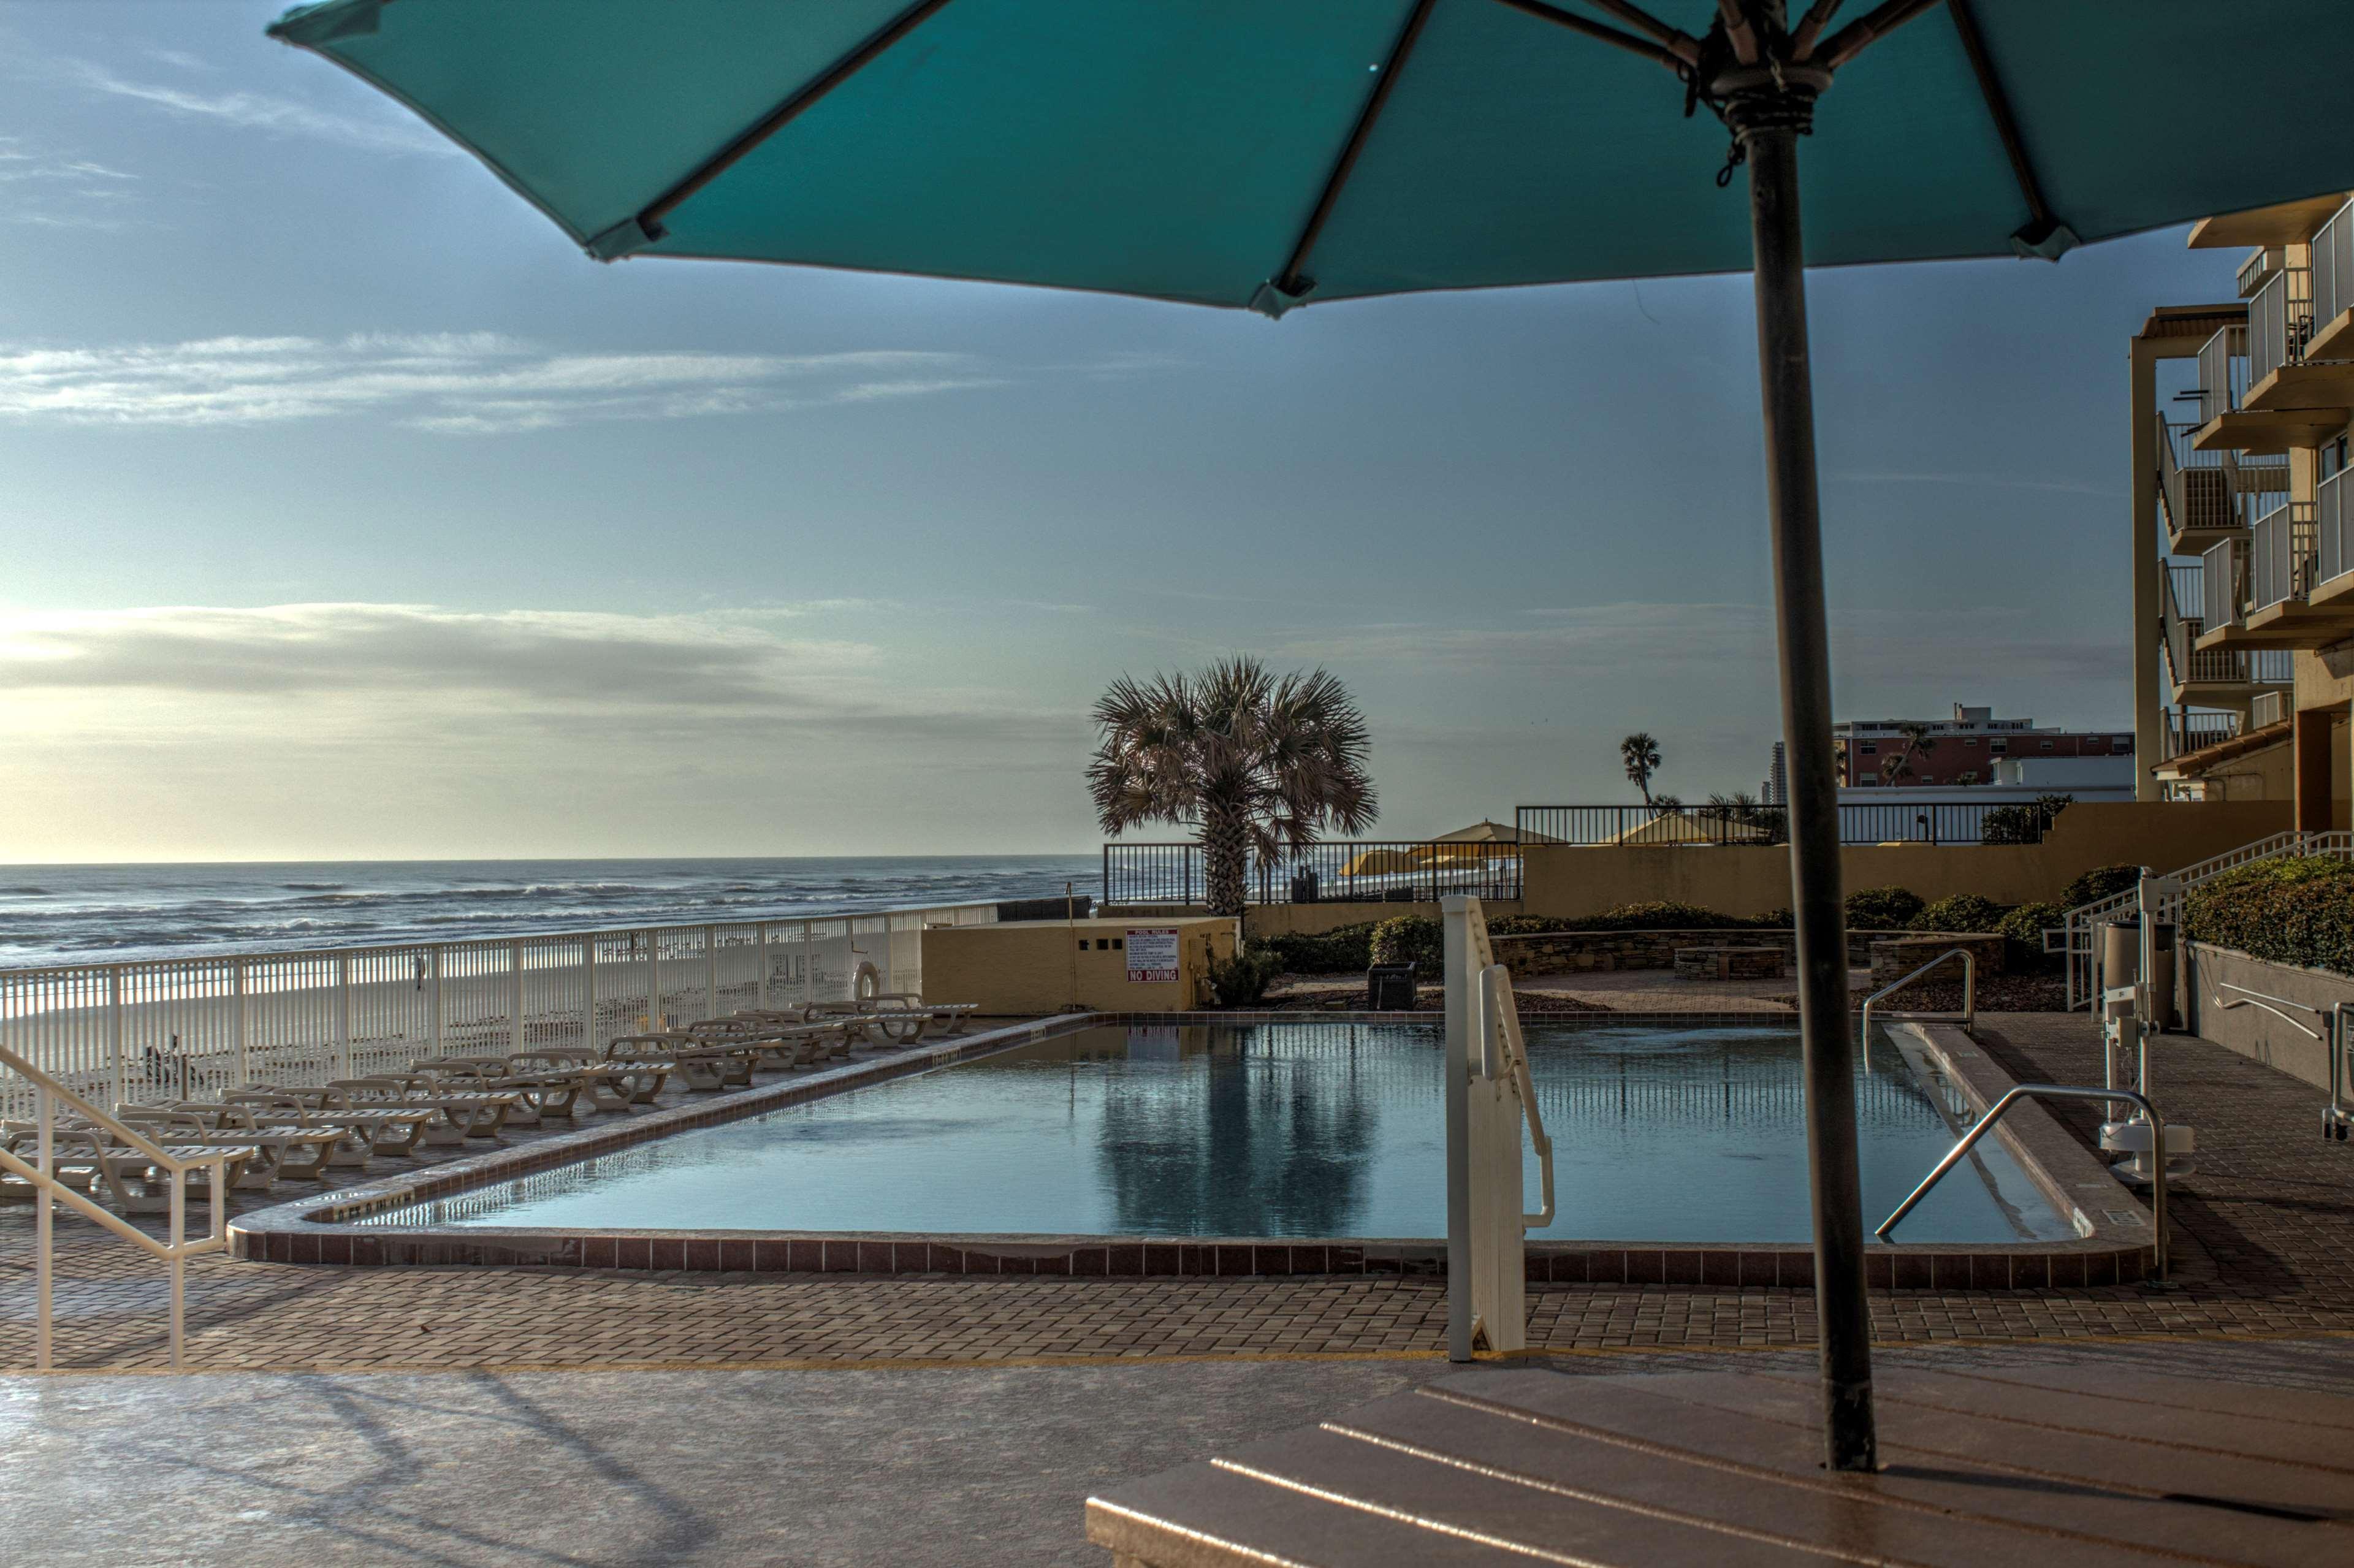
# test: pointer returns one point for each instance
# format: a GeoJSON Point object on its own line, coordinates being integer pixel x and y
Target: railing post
{"type": "Point", "coordinates": [809, 964]}
{"type": "Point", "coordinates": [1456, 1064]}
{"type": "Point", "coordinates": [711, 971]}
{"type": "Point", "coordinates": [514, 996]}
{"type": "Point", "coordinates": [44, 1225]}
{"type": "Point", "coordinates": [438, 1015]}
{"type": "Point", "coordinates": [179, 1261]}
{"type": "Point", "coordinates": [114, 1032]}
{"type": "Point", "coordinates": [654, 978]}
{"type": "Point", "coordinates": [237, 991]}
{"type": "Point", "coordinates": [343, 1018]}
{"type": "Point", "coordinates": [588, 993]}
{"type": "Point", "coordinates": [762, 1001]}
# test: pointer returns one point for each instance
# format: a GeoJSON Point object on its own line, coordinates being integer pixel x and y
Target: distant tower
{"type": "Point", "coordinates": [1775, 790]}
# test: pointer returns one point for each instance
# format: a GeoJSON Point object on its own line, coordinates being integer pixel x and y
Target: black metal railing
{"type": "Point", "coordinates": [1894, 821]}
{"type": "Point", "coordinates": [1396, 871]}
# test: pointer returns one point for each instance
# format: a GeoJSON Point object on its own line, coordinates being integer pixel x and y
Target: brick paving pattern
{"type": "Point", "coordinates": [2262, 1245]}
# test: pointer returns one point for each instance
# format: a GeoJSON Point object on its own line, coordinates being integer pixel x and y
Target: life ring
{"type": "Point", "coordinates": [868, 985]}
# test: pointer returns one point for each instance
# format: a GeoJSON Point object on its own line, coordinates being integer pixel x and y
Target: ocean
{"type": "Point", "coordinates": [84, 913]}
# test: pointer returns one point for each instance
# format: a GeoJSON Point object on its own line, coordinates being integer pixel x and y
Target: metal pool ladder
{"type": "Point", "coordinates": [1965, 1018]}
{"type": "Point", "coordinates": [2055, 1092]}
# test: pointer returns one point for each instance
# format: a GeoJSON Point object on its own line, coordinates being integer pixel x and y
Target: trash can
{"type": "Point", "coordinates": [1389, 988]}
{"type": "Point", "coordinates": [2121, 962]}
{"type": "Point", "coordinates": [1305, 885]}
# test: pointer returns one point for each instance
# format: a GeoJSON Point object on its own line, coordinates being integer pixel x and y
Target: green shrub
{"type": "Point", "coordinates": [1343, 949]}
{"type": "Point", "coordinates": [1242, 980]}
{"type": "Point", "coordinates": [2024, 928]}
{"type": "Point", "coordinates": [2101, 882]}
{"type": "Point", "coordinates": [1881, 909]}
{"type": "Point", "coordinates": [1410, 939]}
{"type": "Point", "coordinates": [2023, 825]}
{"type": "Point", "coordinates": [2295, 910]}
{"type": "Point", "coordinates": [1962, 912]}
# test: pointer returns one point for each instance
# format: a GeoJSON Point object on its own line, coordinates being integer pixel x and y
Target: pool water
{"type": "Point", "coordinates": [1283, 1129]}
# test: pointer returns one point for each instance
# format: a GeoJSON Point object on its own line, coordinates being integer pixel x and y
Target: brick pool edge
{"type": "Point", "coordinates": [2113, 1248]}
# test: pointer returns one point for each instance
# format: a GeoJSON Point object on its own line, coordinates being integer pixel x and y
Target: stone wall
{"type": "Point", "coordinates": [1896, 955]}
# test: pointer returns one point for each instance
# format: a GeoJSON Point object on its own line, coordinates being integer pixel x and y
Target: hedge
{"type": "Point", "coordinates": [1341, 949]}
{"type": "Point", "coordinates": [2295, 910]}
{"type": "Point", "coordinates": [2025, 926]}
{"type": "Point", "coordinates": [2101, 882]}
{"type": "Point", "coordinates": [1881, 909]}
{"type": "Point", "coordinates": [1962, 912]}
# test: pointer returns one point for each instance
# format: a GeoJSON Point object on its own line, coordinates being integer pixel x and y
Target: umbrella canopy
{"type": "Point", "coordinates": [1683, 828]}
{"type": "Point", "coordinates": [1272, 153]}
{"type": "Point", "coordinates": [1487, 833]}
{"type": "Point", "coordinates": [1233, 151]}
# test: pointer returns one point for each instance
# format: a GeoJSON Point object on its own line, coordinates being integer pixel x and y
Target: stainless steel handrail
{"type": "Point", "coordinates": [1969, 992]}
{"type": "Point", "coordinates": [2056, 1092]}
{"type": "Point", "coordinates": [42, 1175]}
{"type": "Point", "coordinates": [2333, 1034]}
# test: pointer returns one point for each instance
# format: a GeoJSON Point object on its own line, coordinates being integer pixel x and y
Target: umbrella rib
{"type": "Point", "coordinates": [1849, 41]}
{"type": "Point", "coordinates": [1288, 280]}
{"type": "Point", "coordinates": [2006, 126]}
{"type": "Point", "coordinates": [651, 216]}
{"type": "Point", "coordinates": [1627, 41]}
{"type": "Point", "coordinates": [1677, 42]}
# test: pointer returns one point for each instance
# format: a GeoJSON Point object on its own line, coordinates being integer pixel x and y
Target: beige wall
{"type": "Point", "coordinates": [1310, 919]}
{"type": "Point", "coordinates": [1571, 880]}
{"type": "Point", "coordinates": [1022, 969]}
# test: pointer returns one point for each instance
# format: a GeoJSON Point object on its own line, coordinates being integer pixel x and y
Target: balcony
{"type": "Point", "coordinates": [2333, 288]}
{"type": "Point", "coordinates": [2284, 374]}
{"type": "Point", "coordinates": [2210, 674]}
{"type": "Point", "coordinates": [2267, 709]}
{"type": "Point", "coordinates": [2209, 496]}
{"type": "Point", "coordinates": [2284, 569]}
{"type": "Point", "coordinates": [2333, 505]}
{"type": "Point", "coordinates": [2226, 421]}
{"type": "Point", "coordinates": [2186, 732]}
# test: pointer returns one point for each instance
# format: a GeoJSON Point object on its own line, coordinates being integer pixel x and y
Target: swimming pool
{"type": "Point", "coordinates": [1311, 1129]}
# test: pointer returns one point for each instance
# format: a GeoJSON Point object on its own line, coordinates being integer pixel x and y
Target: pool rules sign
{"type": "Point", "coordinates": [1152, 953]}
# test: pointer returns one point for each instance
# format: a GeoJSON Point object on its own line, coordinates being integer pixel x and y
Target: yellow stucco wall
{"type": "Point", "coordinates": [1022, 969]}
{"type": "Point", "coordinates": [1571, 880]}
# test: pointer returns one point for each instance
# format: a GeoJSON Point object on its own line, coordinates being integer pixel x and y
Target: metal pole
{"type": "Point", "coordinates": [1771, 139]}
{"type": "Point", "coordinates": [44, 1228]}
{"type": "Point", "coordinates": [1457, 1060]}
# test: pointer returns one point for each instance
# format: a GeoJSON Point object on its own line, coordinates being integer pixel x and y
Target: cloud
{"type": "Point", "coordinates": [54, 190]}
{"type": "Point", "coordinates": [450, 383]}
{"type": "Point", "coordinates": [261, 111]}
{"type": "Point", "coordinates": [1992, 480]}
{"type": "Point", "coordinates": [434, 674]}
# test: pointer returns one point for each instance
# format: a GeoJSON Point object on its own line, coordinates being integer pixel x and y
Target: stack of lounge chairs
{"type": "Point", "coordinates": [298, 1133]}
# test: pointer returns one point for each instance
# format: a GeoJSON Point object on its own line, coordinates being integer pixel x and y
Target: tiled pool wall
{"type": "Point", "coordinates": [2112, 1247]}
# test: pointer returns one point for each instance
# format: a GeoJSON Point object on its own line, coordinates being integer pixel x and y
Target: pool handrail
{"type": "Point", "coordinates": [2056, 1092]}
{"type": "Point", "coordinates": [1503, 1020]}
{"type": "Point", "coordinates": [1969, 1013]}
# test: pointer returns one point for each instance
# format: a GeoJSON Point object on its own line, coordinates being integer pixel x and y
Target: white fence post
{"type": "Point", "coordinates": [114, 1032]}
{"type": "Point", "coordinates": [515, 997]}
{"type": "Point", "coordinates": [1454, 916]}
{"type": "Point", "coordinates": [588, 994]}
{"type": "Point", "coordinates": [711, 971]}
{"type": "Point", "coordinates": [809, 963]}
{"type": "Point", "coordinates": [654, 978]}
{"type": "Point", "coordinates": [242, 1040]}
{"type": "Point", "coordinates": [761, 1004]}
{"type": "Point", "coordinates": [438, 1051]}
{"type": "Point", "coordinates": [343, 1017]}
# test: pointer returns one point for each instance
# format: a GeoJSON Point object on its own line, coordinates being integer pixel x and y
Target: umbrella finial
{"type": "Point", "coordinates": [1277, 295]}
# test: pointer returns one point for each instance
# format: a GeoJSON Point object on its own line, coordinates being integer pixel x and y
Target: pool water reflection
{"type": "Point", "coordinates": [1291, 1129]}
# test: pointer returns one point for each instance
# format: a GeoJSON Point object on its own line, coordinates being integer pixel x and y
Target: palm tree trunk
{"type": "Point", "coordinates": [1226, 858]}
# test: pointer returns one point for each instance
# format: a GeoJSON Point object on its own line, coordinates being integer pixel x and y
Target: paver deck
{"type": "Point", "coordinates": [2262, 1243]}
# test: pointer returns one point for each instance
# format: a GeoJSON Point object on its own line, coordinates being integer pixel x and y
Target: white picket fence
{"type": "Point", "coordinates": [186, 1027]}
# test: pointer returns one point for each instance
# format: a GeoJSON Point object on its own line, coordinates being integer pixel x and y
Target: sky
{"type": "Point", "coordinates": [349, 512]}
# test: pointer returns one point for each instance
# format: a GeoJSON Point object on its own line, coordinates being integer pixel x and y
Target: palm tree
{"type": "Point", "coordinates": [1640, 753]}
{"type": "Point", "coordinates": [1900, 766]}
{"type": "Point", "coordinates": [1254, 764]}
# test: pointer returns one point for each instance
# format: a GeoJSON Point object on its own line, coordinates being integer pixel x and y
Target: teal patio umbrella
{"type": "Point", "coordinates": [1270, 153]}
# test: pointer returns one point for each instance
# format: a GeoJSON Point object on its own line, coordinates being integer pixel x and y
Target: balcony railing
{"type": "Point", "coordinates": [2223, 583]}
{"type": "Point", "coordinates": [2222, 373]}
{"type": "Point", "coordinates": [2213, 489]}
{"type": "Point", "coordinates": [2333, 508]}
{"type": "Point", "coordinates": [2280, 323]}
{"type": "Point", "coordinates": [2188, 730]}
{"type": "Point", "coordinates": [2333, 267]}
{"type": "Point", "coordinates": [2268, 708]}
{"type": "Point", "coordinates": [2283, 556]}
{"type": "Point", "coordinates": [2257, 270]}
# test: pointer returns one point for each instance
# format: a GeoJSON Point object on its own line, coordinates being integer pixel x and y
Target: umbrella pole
{"type": "Point", "coordinates": [1817, 911]}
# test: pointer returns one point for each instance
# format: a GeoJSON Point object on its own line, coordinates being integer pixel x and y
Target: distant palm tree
{"type": "Point", "coordinates": [1916, 741]}
{"type": "Point", "coordinates": [1252, 763]}
{"type": "Point", "coordinates": [1640, 753]}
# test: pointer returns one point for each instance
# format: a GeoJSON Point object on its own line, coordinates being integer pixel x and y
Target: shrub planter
{"type": "Point", "coordinates": [1729, 963]}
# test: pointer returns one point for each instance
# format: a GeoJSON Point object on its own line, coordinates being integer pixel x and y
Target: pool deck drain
{"type": "Point", "coordinates": [2263, 1241]}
